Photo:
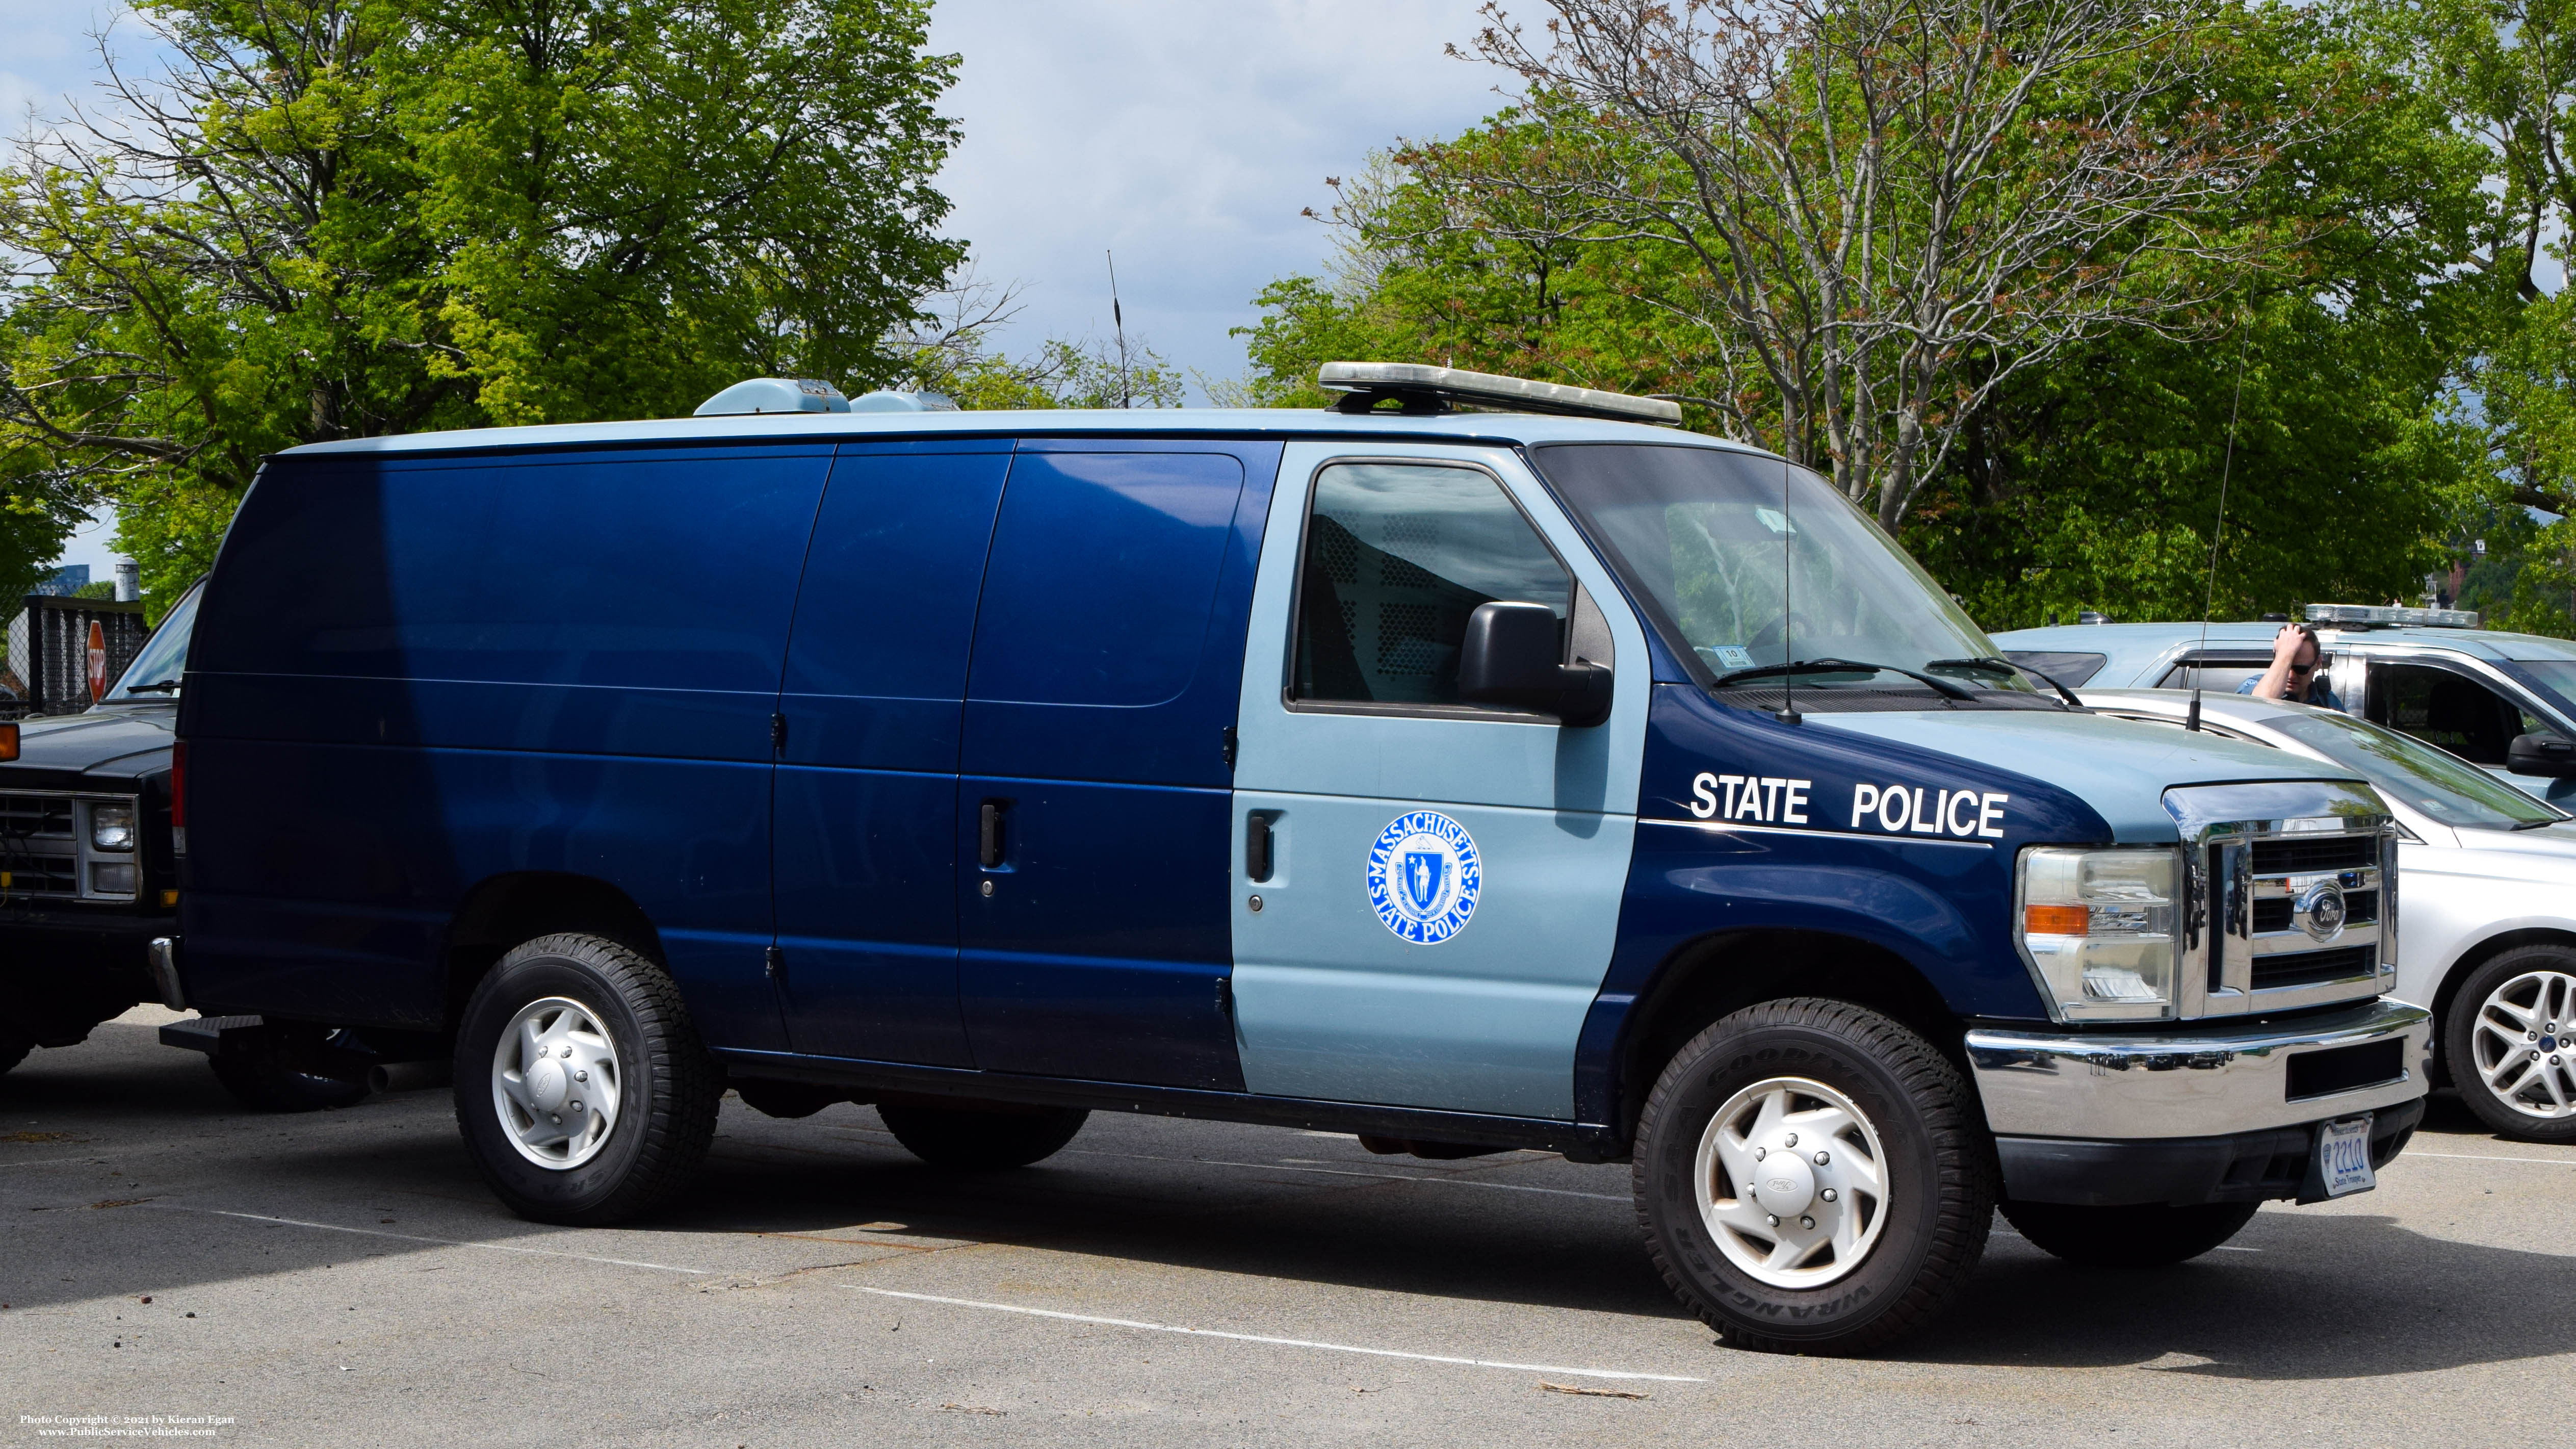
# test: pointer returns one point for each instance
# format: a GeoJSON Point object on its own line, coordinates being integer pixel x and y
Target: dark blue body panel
{"type": "Point", "coordinates": [415, 674]}
{"type": "Point", "coordinates": [1942, 903]}
{"type": "Point", "coordinates": [867, 781]}
{"type": "Point", "coordinates": [1107, 671]}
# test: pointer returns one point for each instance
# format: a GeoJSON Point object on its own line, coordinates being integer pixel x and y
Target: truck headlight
{"type": "Point", "coordinates": [111, 827]}
{"type": "Point", "coordinates": [2097, 927]}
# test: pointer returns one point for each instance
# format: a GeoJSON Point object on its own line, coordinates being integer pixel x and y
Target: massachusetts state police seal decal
{"type": "Point", "coordinates": [1424, 876]}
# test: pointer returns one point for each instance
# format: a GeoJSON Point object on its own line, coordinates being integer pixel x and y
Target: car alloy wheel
{"type": "Point", "coordinates": [2523, 1042]}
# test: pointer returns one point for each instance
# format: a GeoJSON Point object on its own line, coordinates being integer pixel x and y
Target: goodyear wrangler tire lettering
{"type": "Point", "coordinates": [1424, 876]}
{"type": "Point", "coordinates": [1935, 1174]}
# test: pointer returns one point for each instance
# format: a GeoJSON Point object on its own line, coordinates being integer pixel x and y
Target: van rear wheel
{"type": "Point", "coordinates": [582, 1089]}
{"type": "Point", "coordinates": [981, 1136]}
{"type": "Point", "coordinates": [1812, 1178]}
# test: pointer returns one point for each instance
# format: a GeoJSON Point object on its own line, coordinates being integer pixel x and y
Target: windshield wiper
{"type": "Point", "coordinates": [1993, 664]}
{"type": "Point", "coordinates": [171, 685]}
{"type": "Point", "coordinates": [1950, 688]}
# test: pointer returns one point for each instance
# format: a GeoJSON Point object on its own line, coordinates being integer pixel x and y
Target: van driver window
{"type": "Point", "coordinates": [1397, 556]}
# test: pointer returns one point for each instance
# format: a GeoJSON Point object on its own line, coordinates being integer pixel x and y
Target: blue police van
{"type": "Point", "coordinates": [1479, 764]}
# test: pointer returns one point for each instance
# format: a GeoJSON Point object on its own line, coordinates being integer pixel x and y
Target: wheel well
{"type": "Point", "coordinates": [1717, 975]}
{"type": "Point", "coordinates": [2470, 960]}
{"type": "Point", "coordinates": [505, 910]}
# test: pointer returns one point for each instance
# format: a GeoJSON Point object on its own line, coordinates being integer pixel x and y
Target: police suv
{"type": "Point", "coordinates": [2504, 702]}
{"type": "Point", "coordinates": [1538, 777]}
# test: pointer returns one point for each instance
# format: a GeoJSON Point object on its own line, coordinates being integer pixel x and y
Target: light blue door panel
{"type": "Point", "coordinates": [1330, 1003]}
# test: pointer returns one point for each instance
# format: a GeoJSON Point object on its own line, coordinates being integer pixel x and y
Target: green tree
{"type": "Point", "coordinates": [2089, 478]}
{"type": "Point", "coordinates": [343, 218]}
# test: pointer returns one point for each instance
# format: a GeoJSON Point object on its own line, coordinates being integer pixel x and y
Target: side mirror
{"type": "Point", "coordinates": [2533, 754]}
{"type": "Point", "coordinates": [1511, 656]}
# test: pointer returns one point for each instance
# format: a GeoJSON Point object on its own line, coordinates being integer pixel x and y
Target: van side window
{"type": "Point", "coordinates": [2447, 710]}
{"type": "Point", "coordinates": [1397, 556]}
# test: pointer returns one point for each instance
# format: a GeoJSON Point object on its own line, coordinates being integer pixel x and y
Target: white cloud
{"type": "Point", "coordinates": [1187, 137]}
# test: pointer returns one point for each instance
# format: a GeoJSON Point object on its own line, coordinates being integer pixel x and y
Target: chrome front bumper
{"type": "Point", "coordinates": [2211, 1079]}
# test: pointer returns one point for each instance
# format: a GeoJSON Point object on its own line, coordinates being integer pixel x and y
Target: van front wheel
{"type": "Point", "coordinates": [582, 1090]}
{"type": "Point", "coordinates": [1812, 1178]}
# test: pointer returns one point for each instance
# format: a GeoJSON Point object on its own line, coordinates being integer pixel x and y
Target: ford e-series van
{"type": "Point", "coordinates": [1466, 780]}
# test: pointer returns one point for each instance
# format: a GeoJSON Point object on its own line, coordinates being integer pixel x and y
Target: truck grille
{"type": "Point", "coordinates": [2257, 853]}
{"type": "Point", "coordinates": [2273, 913]}
{"type": "Point", "coordinates": [25, 815]}
{"type": "Point", "coordinates": [2315, 854]}
{"type": "Point", "coordinates": [2308, 968]}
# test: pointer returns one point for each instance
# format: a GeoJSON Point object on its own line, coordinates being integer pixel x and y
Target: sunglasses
{"type": "Point", "coordinates": [2303, 669]}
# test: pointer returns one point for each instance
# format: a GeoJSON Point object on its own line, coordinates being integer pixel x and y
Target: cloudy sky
{"type": "Point", "coordinates": [1183, 135]}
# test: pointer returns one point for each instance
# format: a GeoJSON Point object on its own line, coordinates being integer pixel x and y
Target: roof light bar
{"type": "Point", "coordinates": [2381, 616]}
{"type": "Point", "coordinates": [1434, 389]}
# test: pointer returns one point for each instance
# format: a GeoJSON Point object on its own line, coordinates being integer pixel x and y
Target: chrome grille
{"type": "Point", "coordinates": [2290, 896]}
{"type": "Point", "coordinates": [2344, 852]}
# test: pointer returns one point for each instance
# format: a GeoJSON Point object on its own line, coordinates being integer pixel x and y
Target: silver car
{"type": "Point", "coordinates": [2487, 932]}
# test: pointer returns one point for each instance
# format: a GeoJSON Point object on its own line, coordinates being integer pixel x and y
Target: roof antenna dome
{"type": "Point", "coordinates": [886, 401]}
{"type": "Point", "coordinates": [775, 395]}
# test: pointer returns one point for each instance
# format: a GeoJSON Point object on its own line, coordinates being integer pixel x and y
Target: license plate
{"type": "Point", "coordinates": [2343, 1156]}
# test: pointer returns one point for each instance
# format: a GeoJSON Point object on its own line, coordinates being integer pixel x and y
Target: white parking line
{"type": "Point", "coordinates": [2491, 1157]}
{"type": "Point", "coordinates": [443, 1242]}
{"type": "Point", "coordinates": [1541, 1368]}
{"type": "Point", "coordinates": [53, 1161]}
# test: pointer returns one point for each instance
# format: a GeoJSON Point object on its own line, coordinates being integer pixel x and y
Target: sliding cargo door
{"type": "Point", "coordinates": [1091, 822]}
{"type": "Point", "coordinates": [867, 779]}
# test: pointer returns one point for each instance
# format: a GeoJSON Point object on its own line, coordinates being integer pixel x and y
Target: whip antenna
{"type": "Point", "coordinates": [2209, 596]}
{"type": "Point", "coordinates": [1788, 649]}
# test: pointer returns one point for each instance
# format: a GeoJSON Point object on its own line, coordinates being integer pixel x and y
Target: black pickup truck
{"type": "Point", "coordinates": [90, 874]}
{"type": "Point", "coordinates": [88, 879]}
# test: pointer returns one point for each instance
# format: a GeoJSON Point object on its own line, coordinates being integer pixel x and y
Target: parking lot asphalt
{"type": "Point", "coordinates": [342, 1277]}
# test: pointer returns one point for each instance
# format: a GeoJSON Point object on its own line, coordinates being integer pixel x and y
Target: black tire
{"type": "Point", "coordinates": [2148, 1235]}
{"type": "Point", "coordinates": [14, 1046]}
{"type": "Point", "coordinates": [787, 1099]}
{"type": "Point", "coordinates": [981, 1136]}
{"type": "Point", "coordinates": [667, 1085]}
{"type": "Point", "coordinates": [1937, 1167]}
{"type": "Point", "coordinates": [2476, 1041]}
{"type": "Point", "coordinates": [261, 1073]}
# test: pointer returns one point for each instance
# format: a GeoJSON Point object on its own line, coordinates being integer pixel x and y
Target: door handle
{"type": "Point", "coordinates": [1256, 845]}
{"type": "Point", "coordinates": [988, 833]}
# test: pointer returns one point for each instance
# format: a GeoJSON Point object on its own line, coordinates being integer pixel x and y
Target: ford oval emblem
{"type": "Point", "coordinates": [2320, 910]}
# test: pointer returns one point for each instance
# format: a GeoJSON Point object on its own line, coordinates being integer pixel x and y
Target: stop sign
{"type": "Point", "coordinates": [97, 660]}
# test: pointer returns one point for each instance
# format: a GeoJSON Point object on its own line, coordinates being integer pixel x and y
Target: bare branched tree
{"type": "Point", "coordinates": [1887, 207]}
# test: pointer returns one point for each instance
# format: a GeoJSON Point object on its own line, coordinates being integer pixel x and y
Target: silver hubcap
{"type": "Point", "coordinates": [555, 1083]}
{"type": "Point", "coordinates": [1791, 1182]}
{"type": "Point", "coordinates": [2521, 1041]}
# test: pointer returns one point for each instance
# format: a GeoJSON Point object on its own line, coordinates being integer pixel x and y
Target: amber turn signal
{"type": "Point", "coordinates": [2057, 920]}
{"type": "Point", "coordinates": [9, 741]}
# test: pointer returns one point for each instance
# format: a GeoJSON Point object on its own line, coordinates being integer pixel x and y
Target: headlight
{"type": "Point", "coordinates": [2097, 926]}
{"type": "Point", "coordinates": [111, 827]}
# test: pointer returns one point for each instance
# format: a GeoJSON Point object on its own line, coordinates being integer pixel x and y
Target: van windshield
{"type": "Point", "coordinates": [1747, 561]}
{"type": "Point", "coordinates": [155, 672]}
